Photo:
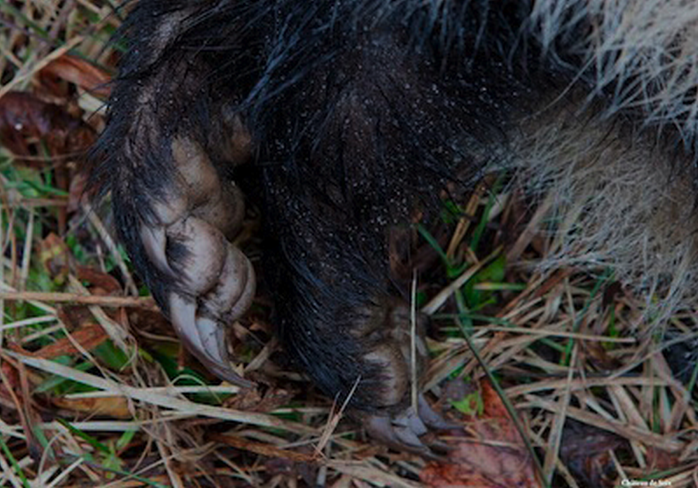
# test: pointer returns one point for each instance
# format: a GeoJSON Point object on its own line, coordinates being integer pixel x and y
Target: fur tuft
{"type": "Point", "coordinates": [623, 194]}
{"type": "Point", "coordinates": [618, 202]}
{"type": "Point", "coordinates": [641, 55]}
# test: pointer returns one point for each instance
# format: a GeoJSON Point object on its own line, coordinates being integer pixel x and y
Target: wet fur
{"type": "Point", "coordinates": [361, 111]}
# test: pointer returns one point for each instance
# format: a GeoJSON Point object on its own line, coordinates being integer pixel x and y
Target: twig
{"type": "Point", "coordinates": [104, 301]}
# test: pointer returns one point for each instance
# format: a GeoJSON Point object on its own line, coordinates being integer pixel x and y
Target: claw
{"type": "Point", "coordinates": [402, 430]}
{"type": "Point", "coordinates": [397, 436]}
{"type": "Point", "coordinates": [385, 330]}
{"type": "Point", "coordinates": [408, 438]}
{"type": "Point", "coordinates": [214, 282]}
{"type": "Point", "coordinates": [216, 285]}
{"type": "Point", "coordinates": [411, 419]}
{"type": "Point", "coordinates": [221, 283]}
{"type": "Point", "coordinates": [408, 427]}
{"type": "Point", "coordinates": [212, 338]}
{"type": "Point", "coordinates": [210, 281]}
{"type": "Point", "coordinates": [432, 419]}
{"type": "Point", "coordinates": [205, 338]}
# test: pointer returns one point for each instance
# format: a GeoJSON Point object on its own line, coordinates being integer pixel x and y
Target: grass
{"type": "Point", "coordinates": [97, 392]}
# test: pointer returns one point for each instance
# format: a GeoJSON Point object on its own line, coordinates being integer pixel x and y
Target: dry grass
{"type": "Point", "coordinates": [95, 391]}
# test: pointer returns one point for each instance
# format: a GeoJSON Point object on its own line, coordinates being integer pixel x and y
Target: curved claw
{"type": "Point", "coordinates": [400, 437]}
{"type": "Point", "coordinates": [220, 285]}
{"type": "Point", "coordinates": [402, 431]}
{"type": "Point", "coordinates": [205, 338]}
{"type": "Point", "coordinates": [432, 419]}
{"type": "Point", "coordinates": [210, 282]}
{"type": "Point", "coordinates": [385, 330]}
{"type": "Point", "coordinates": [411, 421]}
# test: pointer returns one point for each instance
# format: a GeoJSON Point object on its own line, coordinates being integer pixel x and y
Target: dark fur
{"type": "Point", "coordinates": [360, 113]}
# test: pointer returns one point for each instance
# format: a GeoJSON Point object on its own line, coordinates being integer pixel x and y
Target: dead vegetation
{"type": "Point", "coordinates": [96, 390]}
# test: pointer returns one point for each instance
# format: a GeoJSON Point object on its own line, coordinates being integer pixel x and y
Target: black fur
{"type": "Point", "coordinates": [360, 112]}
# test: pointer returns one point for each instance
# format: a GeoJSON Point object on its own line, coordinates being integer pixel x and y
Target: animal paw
{"type": "Point", "coordinates": [406, 429]}
{"type": "Point", "coordinates": [397, 353]}
{"type": "Point", "coordinates": [208, 282]}
{"type": "Point", "coordinates": [173, 140]}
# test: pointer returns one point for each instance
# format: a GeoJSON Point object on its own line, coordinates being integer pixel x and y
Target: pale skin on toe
{"type": "Point", "coordinates": [214, 281]}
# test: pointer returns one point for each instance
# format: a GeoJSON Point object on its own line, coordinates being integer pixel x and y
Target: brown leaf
{"type": "Point", "coordinates": [496, 458]}
{"type": "Point", "coordinates": [113, 407]}
{"type": "Point", "coordinates": [11, 380]}
{"type": "Point", "coordinates": [263, 449]}
{"type": "Point", "coordinates": [58, 261]}
{"type": "Point", "coordinates": [660, 460]}
{"type": "Point", "coordinates": [87, 336]}
{"type": "Point", "coordinates": [101, 283]}
{"type": "Point", "coordinates": [78, 71]}
{"type": "Point", "coordinates": [25, 120]}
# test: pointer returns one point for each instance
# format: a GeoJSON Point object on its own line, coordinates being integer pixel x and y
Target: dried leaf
{"type": "Point", "coordinates": [660, 460]}
{"type": "Point", "coordinates": [26, 120]}
{"type": "Point", "coordinates": [101, 283]}
{"type": "Point", "coordinates": [87, 336]}
{"type": "Point", "coordinates": [78, 71]}
{"type": "Point", "coordinates": [250, 400]}
{"type": "Point", "coordinates": [113, 407]}
{"type": "Point", "coordinates": [58, 261]}
{"type": "Point", "coordinates": [496, 458]}
{"type": "Point", "coordinates": [9, 373]}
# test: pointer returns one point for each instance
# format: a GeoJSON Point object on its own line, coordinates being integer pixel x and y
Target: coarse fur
{"type": "Point", "coordinates": [357, 113]}
{"type": "Point", "coordinates": [630, 204]}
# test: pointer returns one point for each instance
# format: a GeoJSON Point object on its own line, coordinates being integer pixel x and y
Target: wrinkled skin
{"type": "Point", "coordinates": [355, 115]}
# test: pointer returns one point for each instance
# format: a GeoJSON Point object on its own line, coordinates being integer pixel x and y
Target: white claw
{"type": "Point", "coordinates": [408, 438]}
{"type": "Point", "coordinates": [431, 418]}
{"type": "Point", "coordinates": [213, 282]}
{"type": "Point", "coordinates": [394, 434]}
{"type": "Point", "coordinates": [183, 317]}
{"type": "Point", "coordinates": [212, 338]}
{"type": "Point", "coordinates": [205, 338]}
{"type": "Point", "coordinates": [200, 321]}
